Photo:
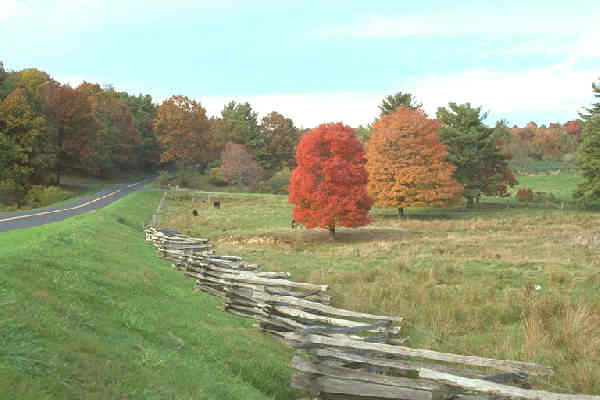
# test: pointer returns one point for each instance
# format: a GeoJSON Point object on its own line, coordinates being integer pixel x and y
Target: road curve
{"type": "Point", "coordinates": [28, 219]}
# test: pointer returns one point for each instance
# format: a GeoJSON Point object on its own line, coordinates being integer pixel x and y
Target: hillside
{"type": "Point", "coordinates": [89, 312]}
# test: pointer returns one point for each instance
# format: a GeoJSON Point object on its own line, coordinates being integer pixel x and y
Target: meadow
{"type": "Point", "coordinates": [504, 280]}
{"type": "Point", "coordinates": [88, 311]}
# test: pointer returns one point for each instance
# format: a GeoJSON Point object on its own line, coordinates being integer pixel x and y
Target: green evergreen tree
{"type": "Point", "coordinates": [391, 102]}
{"type": "Point", "coordinates": [474, 149]}
{"type": "Point", "coordinates": [239, 124]}
{"type": "Point", "coordinates": [595, 109]}
{"type": "Point", "coordinates": [588, 159]}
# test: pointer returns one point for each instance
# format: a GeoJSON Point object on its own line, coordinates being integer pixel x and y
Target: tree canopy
{"type": "Point", "coordinates": [22, 130]}
{"type": "Point", "coordinates": [280, 137]}
{"type": "Point", "coordinates": [595, 108]}
{"type": "Point", "coordinates": [184, 131]}
{"type": "Point", "coordinates": [391, 102]}
{"type": "Point", "coordinates": [406, 162]}
{"type": "Point", "coordinates": [588, 159]}
{"type": "Point", "coordinates": [474, 149]}
{"type": "Point", "coordinates": [328, 188]}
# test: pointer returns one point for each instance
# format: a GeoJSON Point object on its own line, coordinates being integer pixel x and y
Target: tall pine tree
{"type": "Point", "coordinates": [474, 148]}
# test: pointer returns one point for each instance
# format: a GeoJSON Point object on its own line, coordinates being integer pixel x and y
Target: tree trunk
{"type": "Point", "coordinates": [332, 232]}
{"type": "Point", "coordinates": [401, 211]}
{"type": "Point", "coordinates": [58, 171]}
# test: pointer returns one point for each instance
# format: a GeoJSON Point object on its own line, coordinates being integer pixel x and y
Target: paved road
{"type": "Point", "coordinates": [28, 219]}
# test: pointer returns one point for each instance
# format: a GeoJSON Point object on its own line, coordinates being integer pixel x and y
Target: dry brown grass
{"type": "Point", "coordinates": [513, 284]}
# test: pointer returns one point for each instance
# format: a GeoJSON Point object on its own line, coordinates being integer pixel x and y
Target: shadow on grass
{"type": "Point", "coordinates": [302, 238]}
{"type": "Point", "coordinates": [484, 208]}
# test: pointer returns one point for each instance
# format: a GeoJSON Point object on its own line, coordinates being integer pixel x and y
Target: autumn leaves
{"type": "Point", "coordinates": [328, 187]}
{"type": "Point", "coordinates": [407, 166]}
{"type": "Point", "coordinates": [336, 182]}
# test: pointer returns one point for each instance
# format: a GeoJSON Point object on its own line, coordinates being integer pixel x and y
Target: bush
{"type": "Point", "coordinates": [544, 197]}
{"type": "Point", "coordinates": [278, 183]}
{"type": "Point", "coordinates": [524, 195]}
{"type": "Point", "coordinates": [186, 177]}
{"type": "Point", "coordinates": [40, 196]}
{"type": "Point", "coordinates": [238, 166]}
{"type": "Point", "coordinates": [216, 178]}
{"type": "Point", "coordinates": [163, 178]}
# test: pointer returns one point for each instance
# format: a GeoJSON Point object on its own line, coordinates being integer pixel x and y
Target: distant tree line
{"type": "Point", "coordinates": [48, 129]}
{"type": "Point", "coordinates": [414, 161]}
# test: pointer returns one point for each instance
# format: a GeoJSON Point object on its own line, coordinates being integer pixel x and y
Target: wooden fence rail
{"type": "Point", "coordinates": [344, 354]}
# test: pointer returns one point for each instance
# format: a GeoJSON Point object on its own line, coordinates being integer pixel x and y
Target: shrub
{"type": "Point", "coordinates": [239, 167]}
{"type": "Point", "coordinates": [542, 197]}
{"type": "Point", "coordinates": [216, 178]}
{"type": "Point", "coordinates": [525, 195]}
{"type": "Point", "coordinates": [163, 178]}
{"type": "Point", "coordinates": [278, 183]}
{"type": "Point", "coordinates": [186, 177]}
{"type": "Point", "coordinates": [39, 196]}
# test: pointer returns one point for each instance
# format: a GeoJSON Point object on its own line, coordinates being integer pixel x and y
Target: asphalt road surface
{"type": "Point", "coordinates": [28, 219]}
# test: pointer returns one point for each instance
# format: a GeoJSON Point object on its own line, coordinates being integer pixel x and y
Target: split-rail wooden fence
{"type": "Point", "coordinates": [344, 354]}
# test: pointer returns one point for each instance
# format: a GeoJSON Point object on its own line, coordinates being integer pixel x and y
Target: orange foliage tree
{"type": "Point", "coordinates": [184, 131]}
{"type": "Point", "coordinates": [406, 162]}
{"type": "Point", "coordinates": [328, 188]}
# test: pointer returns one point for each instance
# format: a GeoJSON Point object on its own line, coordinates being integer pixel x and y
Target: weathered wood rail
{"type": "Point", "coordinates": [344, 354]}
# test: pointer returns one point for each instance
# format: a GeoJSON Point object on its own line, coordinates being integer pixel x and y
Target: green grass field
{"type": "Point", "coordinates": [503, 280]}
{"type": "Point", "coordinates": [561, 185]}
{"type": "Point", "coordinates": [88, 311]}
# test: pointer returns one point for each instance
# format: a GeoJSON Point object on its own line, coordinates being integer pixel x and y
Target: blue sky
{"type": "Point", "coordinates": [319, 61]}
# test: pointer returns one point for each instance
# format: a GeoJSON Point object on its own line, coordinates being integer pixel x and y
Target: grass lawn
{"type": "Point", "coordinates": [503, 280]}
{"type": "Point", "coordinates": [561, 185]}
{"type": "Point", "coordinates": [88, 311]}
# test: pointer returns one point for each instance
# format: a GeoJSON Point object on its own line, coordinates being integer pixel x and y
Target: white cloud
{"type": "Point", "coordinates": [552, 90]}
{"type": "Point", "coordinates": [457, 24]}
{"type": "Point", "coordinates": [548, 89]}
{"type": "Point", "coordinates": [306, 109]}
{"type": "Point", "coordinates": [573, 37]}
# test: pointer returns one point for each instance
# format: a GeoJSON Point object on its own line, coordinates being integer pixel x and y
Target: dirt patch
{"type": "Point", "coordinates": [262, 240]}
{"type": "Point", "coordinates": [302, 237]}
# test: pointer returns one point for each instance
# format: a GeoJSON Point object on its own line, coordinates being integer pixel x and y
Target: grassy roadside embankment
{"type": "Point", "coordinates": [511, 283]}
{"type": "Point", "coordinates": [71, 188]}
{"type": "Point", "coordinates": [88, 311]}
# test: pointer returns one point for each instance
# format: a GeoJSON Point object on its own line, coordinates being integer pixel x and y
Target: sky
{"type": "Point", "coordinates": [319, 61]}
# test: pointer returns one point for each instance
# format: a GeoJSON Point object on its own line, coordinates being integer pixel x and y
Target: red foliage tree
{"type": "Point", "coordinates": [574, 128]}
{"type": "Point", "coordinates": [238, 166]}
{"type": "Point", "coordinates": [329, 187]}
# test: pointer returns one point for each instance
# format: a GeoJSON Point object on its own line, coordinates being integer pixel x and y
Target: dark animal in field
{"type": "Point", "coordinates": [294, 224]}
{"type": "Point", "coordinates": [195, 213]}
{"type": "Point", "coordinates": [217, 204]}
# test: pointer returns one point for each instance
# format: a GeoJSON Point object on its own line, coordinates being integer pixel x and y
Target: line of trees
{"type": "Point", "coordinates": [48, 129]}
{"type": "Point", "coordinates": [414, 161]}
